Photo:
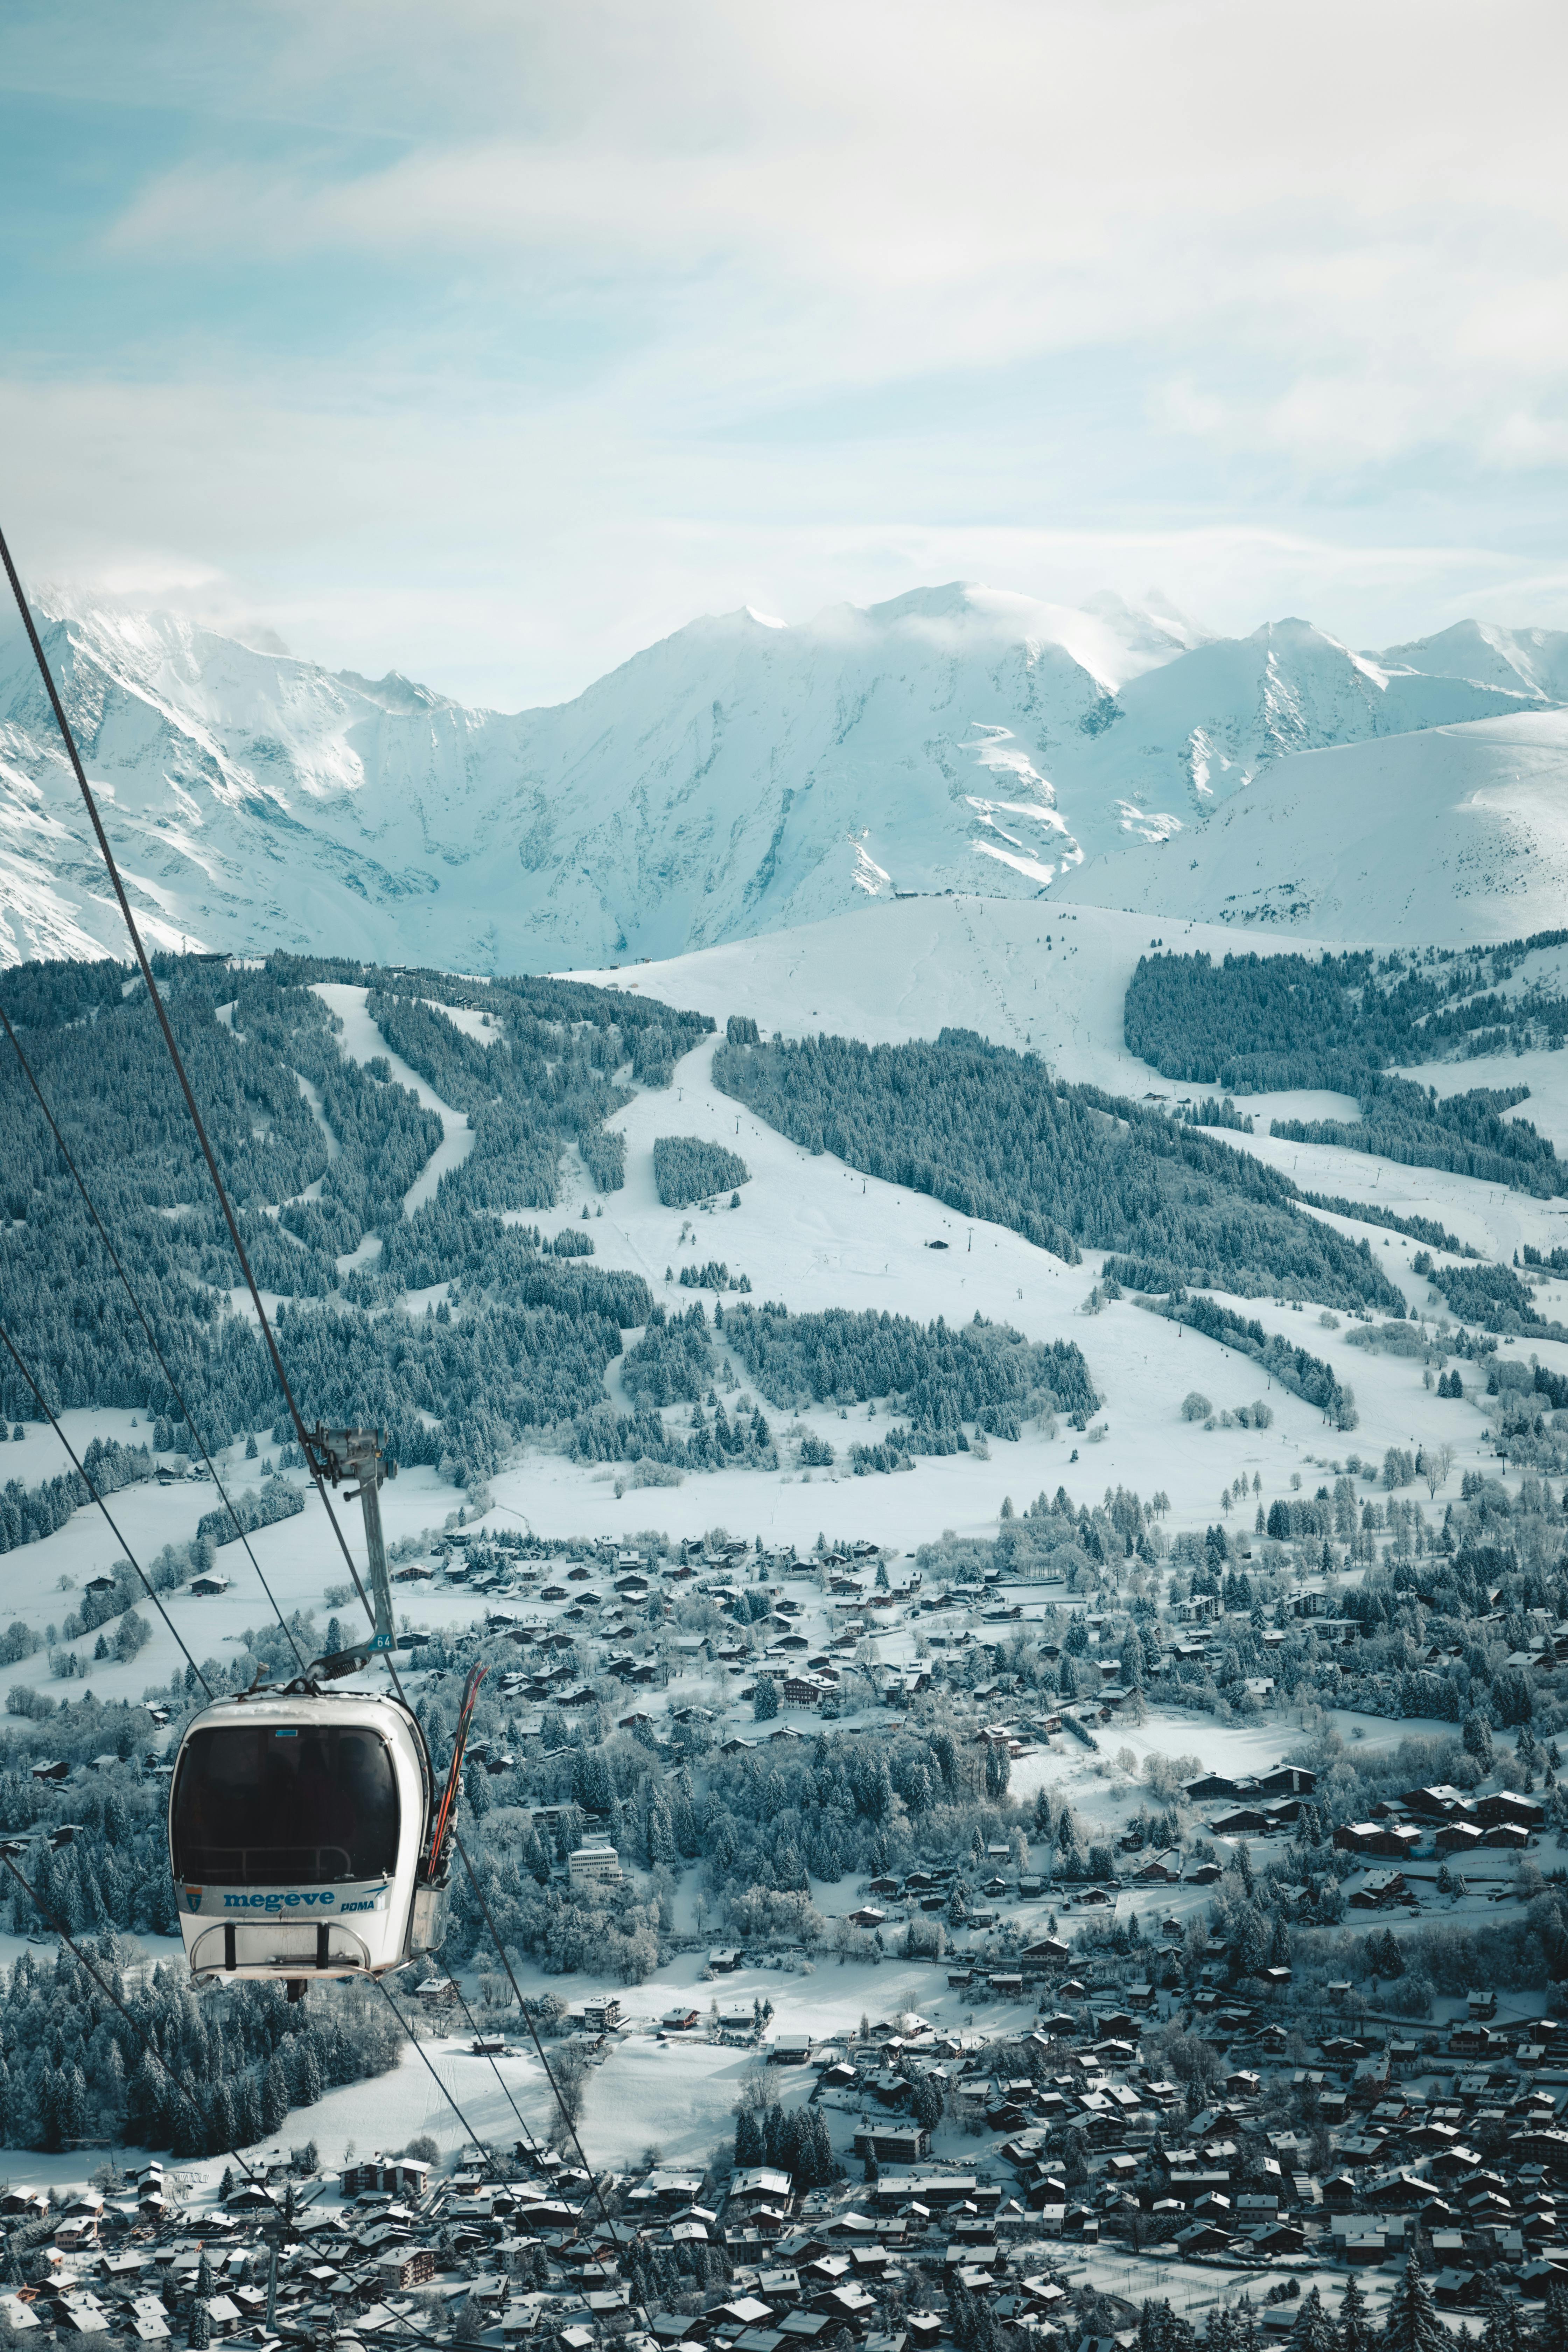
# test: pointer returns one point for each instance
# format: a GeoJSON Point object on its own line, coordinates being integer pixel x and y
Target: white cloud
{"type": "Point", "coordinates": [662, 306]}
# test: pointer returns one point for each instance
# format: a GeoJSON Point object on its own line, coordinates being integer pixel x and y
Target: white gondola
{"type": "Point", "coordinates": [299, 1825]}
{"type": "Point", "coordinates": [307, 1837]}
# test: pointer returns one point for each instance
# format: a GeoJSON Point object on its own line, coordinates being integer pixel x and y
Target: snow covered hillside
{"type": "Point", "coordinates": [743, 777]}
{"type": "Point", "coordinates": [1452, 835]}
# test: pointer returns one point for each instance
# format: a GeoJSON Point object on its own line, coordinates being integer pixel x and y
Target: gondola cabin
{"type": "Point", "coordinates": [300, 1827]}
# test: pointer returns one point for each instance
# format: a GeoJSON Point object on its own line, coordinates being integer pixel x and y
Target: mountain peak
{"type": "Point", "coordinates": [741, 775]}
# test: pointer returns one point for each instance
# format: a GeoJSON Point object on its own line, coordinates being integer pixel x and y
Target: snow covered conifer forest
{"type": "Point", "coordinates": [994, 1410]}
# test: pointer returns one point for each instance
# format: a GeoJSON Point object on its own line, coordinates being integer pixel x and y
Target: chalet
{"type": "Point", "coordinates": [1389, 1839]}
{"type": "Point", "coordinates": [1378, 1887]}
{"type": "Point", "coordinates": [1203, 2238]}
{"type": "Point", "coordinates": [666, 2192]}
{"type": "Point", "coordinates": [404, 2267]}
{"type": "Point", "coordinates": [403, 2176]}
{"type": "Point", "coordinates": [1162, 1867]}
{"type": "Point", "coordinates": [893, 2143]}
{"type": "Point", "coordinates": [1505, 1807]}
{"type": "Point", "coordinates": [1442, 1802]}
{"type": "Point", "coordinates": [760, 2185]}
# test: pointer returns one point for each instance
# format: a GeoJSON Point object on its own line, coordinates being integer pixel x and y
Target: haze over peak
{"type": "Point", "coordinates": [745, 775]}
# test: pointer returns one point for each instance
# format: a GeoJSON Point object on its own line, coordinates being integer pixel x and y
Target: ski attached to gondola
{"type": "Point", "coordinates": [455, 1776]}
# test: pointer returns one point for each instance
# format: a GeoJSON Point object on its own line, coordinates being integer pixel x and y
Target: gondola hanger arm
{"type": "Point", "coordinates": [338, 1455]}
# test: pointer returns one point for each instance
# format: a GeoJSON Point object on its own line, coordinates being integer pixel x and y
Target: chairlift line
{"type": "Point", "coordinates": [155, 998]}
{"type": "Point", "coordinates": [155, 995]}
{"type": "Point", "coordinates": [473, 2024]}
{"type": "Point", "coordinates": [416, 1894]}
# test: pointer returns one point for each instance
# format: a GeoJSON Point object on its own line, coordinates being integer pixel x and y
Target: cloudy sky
{"type": "Point", "coordinates": [490, 341]}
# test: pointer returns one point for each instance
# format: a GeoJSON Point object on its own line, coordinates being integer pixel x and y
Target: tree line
{"type": "Point", "coordinates": [940, 1375]}
{"type": "Point", "coordinates": [1294, 1368]}
{"type": "Point", "coordinates": [235, 2063]}
{"type": "Point", "coordinates": [1467, 1133]}
{"type": "Point", "coordinates": [319, 1154]}
{"type": "Point", "coordinates": [993, 1135]}
{"type": "Point", "coordinates": [685, 1169]}
{"type": "Point", "coordinates": [29, 1513]}
{"type": "Point", "coordinates": [1257, 1024]}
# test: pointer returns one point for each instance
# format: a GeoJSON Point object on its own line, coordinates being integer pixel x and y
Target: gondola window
{"type": "Point", "coordinates": [259, 1806]}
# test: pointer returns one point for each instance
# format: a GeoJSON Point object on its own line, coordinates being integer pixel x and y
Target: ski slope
{"type": "Point", "coordinates": [814, 1233]}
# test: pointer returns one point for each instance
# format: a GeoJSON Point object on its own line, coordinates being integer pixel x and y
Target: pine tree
{"type": "Point", "coordinates": [145, 2103]}
{"type": "Point", "coordinates": [1355, 2328]}
{"type": "Point", "coordinates": [188, 2131]}
{"type": "Point", "coordinates": [1552, 2336]}
{"type": "Point", "coordinates": [307, 2072]}
{"type": "Point", "coordinates": [247, 2114]}
{"type": "Point", "coordinates": [1314, 2331]}
{"type": "Point", "coordinates": [274, 2097]}
{"type": "Point", "coordinates": [1413, 2324]}
{"type": "Point", "coordinates": [1500, 2329]}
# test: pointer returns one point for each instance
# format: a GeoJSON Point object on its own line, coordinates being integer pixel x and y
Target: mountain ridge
{"type": "Point", "coordinates": [744, 775]}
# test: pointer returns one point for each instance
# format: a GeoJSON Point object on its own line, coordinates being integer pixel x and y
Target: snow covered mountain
{"type": "Point", "coordinates": [744, 776]}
